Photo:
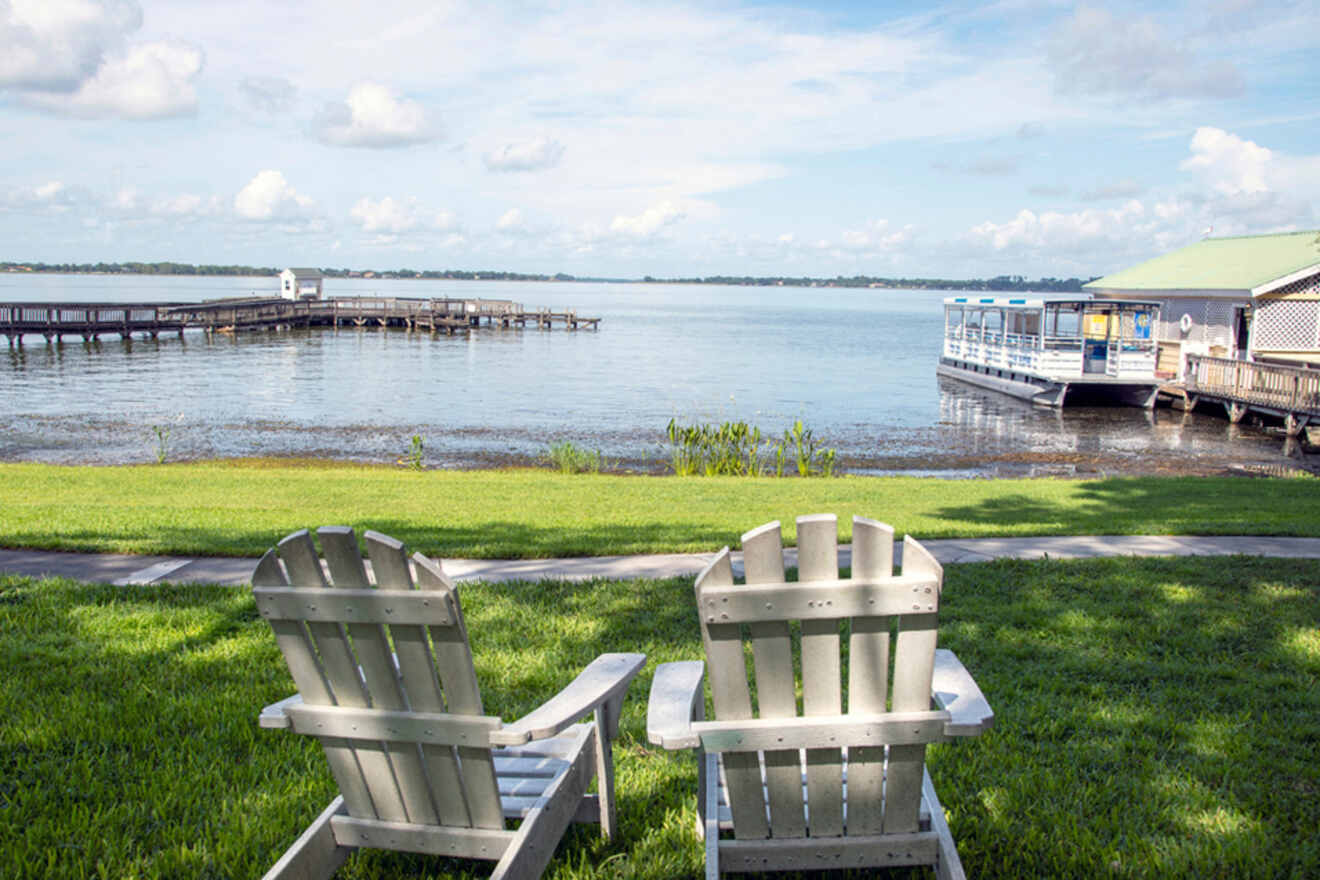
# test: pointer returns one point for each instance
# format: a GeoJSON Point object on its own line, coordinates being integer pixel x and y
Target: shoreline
{"type": "Point", "coordinates": [953, 468]}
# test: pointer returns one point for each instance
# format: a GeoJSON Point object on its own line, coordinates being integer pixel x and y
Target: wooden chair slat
{"type": "Point", "coordinates": [726, 667]}
{"type": "Point", "coordinates": [301, 560]}
{"type": "Point", "coordinates": [405, 784]}
{"type": "Point", "coordinates": [914, 667]}
{"type": "Point", "coordinates": [347, 688]}
{"type": "Point", "coordinates": [389, 561]}
{"type": "Point", "coordinates": [458, 678]}
{"type": "Point", "coordinates": [296, 645]}
{"type": "Point", "coordinates": [822, 683]}
{"type": "Point", "coordinates": [776, 697]}
{"type": "Point", "coordinates": [868, 677]}
{"type": "Point", "coordinates": [418, 678]}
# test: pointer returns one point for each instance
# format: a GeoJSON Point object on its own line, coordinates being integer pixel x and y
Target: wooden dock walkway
{"type": "Point", "coordinates": [1291, 394]}
{"type": "Point", "coordinates": [434, 315]}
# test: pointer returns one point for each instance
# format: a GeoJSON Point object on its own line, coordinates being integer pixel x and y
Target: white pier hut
{"type": "Point", "coordinates": [1052, 350]}
{"type": "Point", "coordinates": [301, 284]}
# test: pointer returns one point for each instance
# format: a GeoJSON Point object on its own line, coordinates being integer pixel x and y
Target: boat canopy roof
{"type": "Point", "coordinates": [1036, 302]}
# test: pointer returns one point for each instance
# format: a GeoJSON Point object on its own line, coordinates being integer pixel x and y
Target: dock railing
{"type": "Point", "coordinates": [1272, 387]}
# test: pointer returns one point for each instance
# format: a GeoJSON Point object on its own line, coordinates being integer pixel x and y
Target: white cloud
{"type": "Point", "coordinates": [147, 81]}
{"type": "Point", "coordinates": [649, 222]}
{"type": "Point", "coordinates": [511, 221]}
{"type": "Point", "coordinates": [186, 205]}
{"type": "Point", "coordinates": [1096, 52]}
{"type": "Point", "coordinates": [1248, 188]}
{"type": "Point", "coordinates": [56, 45]}
{"type": "Point", "coordinates": [534, 155]}
{"type": "Point", "coordinates": [1227, 162]}
{"type": "Point", "coordinates": [876, 237]}
{"type": "Point", "coordinates": [1064, 231]}
{"type": "Point", "coordinates": [373, 116]}
{"type": "Point", "coordinates": [53, 196]}
{"type": "Point", "coordinates": [268, 196]}
{"type": "Point", "coordinates": [394, 216]}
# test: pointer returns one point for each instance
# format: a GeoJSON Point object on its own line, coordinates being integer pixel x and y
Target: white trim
{"type": "Point", "coordinates": [1271, 286]}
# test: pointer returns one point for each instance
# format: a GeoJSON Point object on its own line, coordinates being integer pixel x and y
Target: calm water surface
{"type": "Point", "coordinates": [857, 366]}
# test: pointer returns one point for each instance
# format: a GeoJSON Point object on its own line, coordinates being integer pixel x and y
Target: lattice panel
{"type": "Point", "coordinates": [1218, 323]}
{"type": "Point", "coordinates": [1303, 287]}
{"type": "Point", "coordinates": [1286, 325]}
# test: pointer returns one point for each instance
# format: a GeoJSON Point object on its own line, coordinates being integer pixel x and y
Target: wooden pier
{"type": "Point", "coordinates": [434, 315]}
{"type": "Point", "coordinates": [1291, 394]}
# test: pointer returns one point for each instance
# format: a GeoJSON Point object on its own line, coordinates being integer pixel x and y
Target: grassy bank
{"type": "Point", "coordinates": [1155, 718]}
{"type": "Point", "coordinates": [239, 508]}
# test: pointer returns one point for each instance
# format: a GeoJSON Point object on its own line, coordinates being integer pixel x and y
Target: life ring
{"type": "Point", "coordinates": [1185, 323]}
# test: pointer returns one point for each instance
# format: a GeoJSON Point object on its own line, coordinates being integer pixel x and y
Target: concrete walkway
{"type": "Point", "coordinates": [125, 569]}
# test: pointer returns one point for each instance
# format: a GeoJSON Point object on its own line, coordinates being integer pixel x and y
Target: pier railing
{"type": "Point", "coordinates": [434, 314]}
{"type": "Point", "coordinates": [1272, 387]}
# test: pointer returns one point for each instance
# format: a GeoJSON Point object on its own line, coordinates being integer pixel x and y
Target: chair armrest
{"type": "Point", "coordinates": [954, 690]}
{"type": "Point", "coordinates": [274, 716]}
{"type": "Point", "coordinates": [675, 692]}
{"type": "Point", "coordinates": [603, 682]}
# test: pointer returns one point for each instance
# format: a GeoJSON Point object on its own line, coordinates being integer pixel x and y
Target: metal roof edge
{"type": "Point", "coordinates": [1271, 286]}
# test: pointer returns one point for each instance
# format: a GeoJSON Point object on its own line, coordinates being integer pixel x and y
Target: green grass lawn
{"type": "Point", "coordinates": [241, 508]}
{"type": "Point", "coordinates": [1154, 718]}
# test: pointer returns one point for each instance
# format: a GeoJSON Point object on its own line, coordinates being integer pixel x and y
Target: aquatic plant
{"type": "Point", "coordinates": [162, 433]}
{"type": "Point", "coordinates": [569, 458]}
{"type": "Point", "coordinates": [735, 449]}
{"type": "Point", "coordinates": [415, 458]}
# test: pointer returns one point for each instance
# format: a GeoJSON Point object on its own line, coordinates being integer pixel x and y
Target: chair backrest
{"type": "Point", "coordinates": [340, 634]}
{"type": "Point", "coordinates": [883, 782]}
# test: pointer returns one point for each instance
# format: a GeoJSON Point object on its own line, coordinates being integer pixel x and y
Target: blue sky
{"type": "Point", "coordinates": [672, 139]}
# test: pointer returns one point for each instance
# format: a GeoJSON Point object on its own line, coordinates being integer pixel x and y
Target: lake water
{"type": "Point", "coordinates": [857, 366]}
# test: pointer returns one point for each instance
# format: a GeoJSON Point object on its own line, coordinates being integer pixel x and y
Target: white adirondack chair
{"type": "Point", "coordinates": [824, 788]}
{"type": "Point", "coordinates": [386, 683]}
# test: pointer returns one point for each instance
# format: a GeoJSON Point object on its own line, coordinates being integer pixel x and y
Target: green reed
{"type": "Point", "coordinates": [569, 458]}
{"type": "Point", "coordinates": [415, 458]}
{"type": "Point", "coordinates": [740, 449]}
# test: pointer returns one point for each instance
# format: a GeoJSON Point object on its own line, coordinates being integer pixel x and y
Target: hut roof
{"type": "Point", "coordinates": [1252, 264]}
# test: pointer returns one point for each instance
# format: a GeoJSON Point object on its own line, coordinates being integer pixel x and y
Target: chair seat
{"type": "Point", "coordinates": [726, 815]}
{"type": "Point", "coordinates": [524, 772]}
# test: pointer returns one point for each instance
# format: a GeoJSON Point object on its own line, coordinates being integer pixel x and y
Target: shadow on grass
{"type": "Point", "coordinates": [1155, 718]}
{"type": "Point", "coordinates": [479, 540]}
{"type": "Point", "coordinates": [1159, 506]}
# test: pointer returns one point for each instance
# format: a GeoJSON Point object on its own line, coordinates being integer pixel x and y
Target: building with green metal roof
{"type": "Point", "coordinates": [1248, 296]}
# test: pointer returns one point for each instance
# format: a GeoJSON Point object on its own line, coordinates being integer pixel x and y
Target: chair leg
{"type": "Point", "coordinates": [949, 867]}
{"type": "Point", "coordinates": [605, 773]}
{"type": "Point", "coordinates": [314, 855]}
{"type": "Point", "coordinates": [711, 813]}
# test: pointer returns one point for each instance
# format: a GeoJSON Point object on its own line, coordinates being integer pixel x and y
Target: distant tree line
{"type": "Point", "coordinates": [167, 268]}
{"type": "Point", "coordinates": [999, 282]}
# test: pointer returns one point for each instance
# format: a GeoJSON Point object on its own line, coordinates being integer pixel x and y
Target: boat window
{"type": "Point", "coordinates": [1097, 324]}
{"type": "Point", "coordinates": [1029, 323]}
{"type": "Point", "coordinates": [994, 321]}
{"type": "Point", "coordinates": [1063, 319]}
{"type": "Point", "coordinates": [955, 318]}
